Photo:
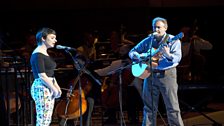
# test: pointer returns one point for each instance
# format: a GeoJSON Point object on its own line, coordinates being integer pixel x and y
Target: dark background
{"type": "Point", "coordinates": [70, 18]}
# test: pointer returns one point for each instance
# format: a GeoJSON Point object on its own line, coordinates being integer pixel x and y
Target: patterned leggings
{"type": "Point", "coordinates": [43, 101]}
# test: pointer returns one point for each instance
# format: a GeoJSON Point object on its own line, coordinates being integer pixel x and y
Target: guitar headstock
{"type": "Point", "coordinates": [178, 36]}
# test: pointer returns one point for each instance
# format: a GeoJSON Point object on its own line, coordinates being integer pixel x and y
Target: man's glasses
{"type": "Point", "coordinates": [157, 27]}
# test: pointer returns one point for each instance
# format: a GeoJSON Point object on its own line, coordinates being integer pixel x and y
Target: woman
{"type": "Point", "coordinates": [45, 87]}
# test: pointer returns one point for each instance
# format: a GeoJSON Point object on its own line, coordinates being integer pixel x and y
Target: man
{"type": "Point", "coordinates": [163, 78]}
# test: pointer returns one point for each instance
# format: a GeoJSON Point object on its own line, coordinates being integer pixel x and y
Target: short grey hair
{"type": "Point", "coordinates": [160, 19]}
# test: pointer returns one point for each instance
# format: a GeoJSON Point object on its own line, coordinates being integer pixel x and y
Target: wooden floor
{"type": "Point", "coordinates": [208, 109]}
{"type": "Point", "coordinates": [205, 115]}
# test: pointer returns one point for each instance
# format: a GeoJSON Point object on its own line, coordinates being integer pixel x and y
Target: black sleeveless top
{"type": "Point", "coordinates": [41, 63]}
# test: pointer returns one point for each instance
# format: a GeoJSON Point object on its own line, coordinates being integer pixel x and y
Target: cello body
{"type": "Point", "coordinates": [69, 108]}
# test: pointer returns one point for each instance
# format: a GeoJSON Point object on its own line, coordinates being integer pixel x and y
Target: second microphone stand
{"type": "Point", "coordinates": [119, 71]}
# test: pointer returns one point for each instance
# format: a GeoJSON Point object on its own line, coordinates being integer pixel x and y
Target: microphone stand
{"type": "Point", "coordinates": [151, 84]}
{"type": "Point", "coordinates": [119, 71]}
{"type": "Point", "coordinates": [81, 69]}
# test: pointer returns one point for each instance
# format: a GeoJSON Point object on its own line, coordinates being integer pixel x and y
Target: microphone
{"type": "Point", "coordinates": [64, 47]}
{"type": "Point", "coordinates": [153, 34]}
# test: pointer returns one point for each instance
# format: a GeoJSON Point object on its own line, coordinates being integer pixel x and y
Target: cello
{"type": "Point", "coordinates": [69, 108]}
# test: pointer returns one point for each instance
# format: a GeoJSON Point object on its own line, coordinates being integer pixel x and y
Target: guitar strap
{"type": "Point", "coordinates": [164, 40]}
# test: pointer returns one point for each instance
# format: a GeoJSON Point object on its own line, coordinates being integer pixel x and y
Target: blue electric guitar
{"type": "Point", "coordinates": [140, 69]}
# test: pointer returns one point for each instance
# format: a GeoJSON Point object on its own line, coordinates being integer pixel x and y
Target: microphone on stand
{"type": "Point", "coordinates": [64, 47]}
{"type": "Point", "coordinates": [153, 34]}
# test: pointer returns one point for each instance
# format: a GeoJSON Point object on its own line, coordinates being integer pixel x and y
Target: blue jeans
{"type": "Point", "coordinates": [166, 84]}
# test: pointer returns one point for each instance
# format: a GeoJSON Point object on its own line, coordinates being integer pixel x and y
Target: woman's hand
{"type": "Point", "coordinates": [59, 93]}
{"type": "Point", "coordinates": [56, 93]}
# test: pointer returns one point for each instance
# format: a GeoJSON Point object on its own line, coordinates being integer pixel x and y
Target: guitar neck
{"type": "Point", "coordinates": [162, 43]}
{"type": "Point", "coordinates": [165, 41]}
